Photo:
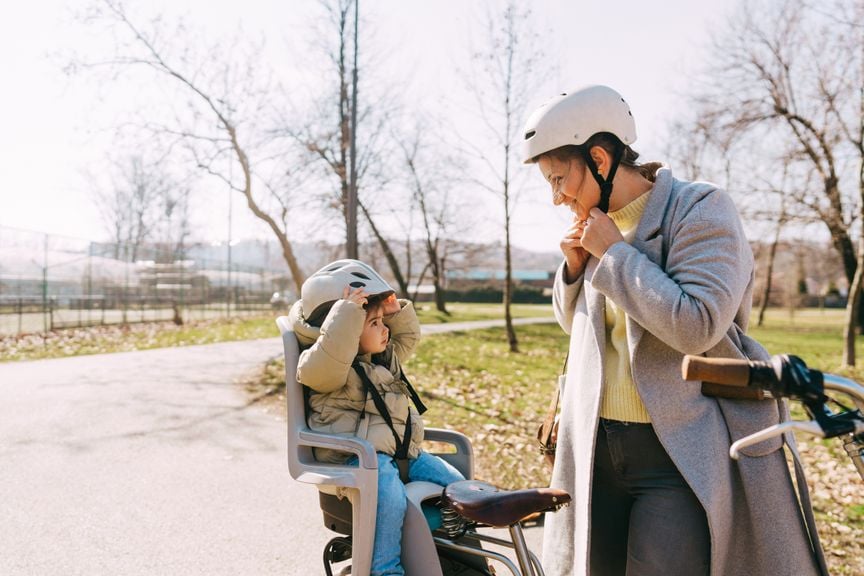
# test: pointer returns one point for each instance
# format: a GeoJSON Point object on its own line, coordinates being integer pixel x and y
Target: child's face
{"type": "Point", "coordinates": [375, 334]}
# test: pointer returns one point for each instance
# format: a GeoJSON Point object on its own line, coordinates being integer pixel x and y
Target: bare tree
{"type": "Point", "coordinates": [434, 205]}
{"type": "Point", "coordinates": [797, 77]}
{"type": "Point", "coordinates": [769, 268]}
{"type": "Point", "coordinates": [346, 135]}
{"type": "Point", "coordinates": [130, 204]}
{"type": "Point", "coordinates": [211, 125]}
{"type": "Point", "coordinates": [173, 230]}
{"type": "Point", "coordinates": [508, 77]}
{"type": "Point", "coordinates": [765, 198]}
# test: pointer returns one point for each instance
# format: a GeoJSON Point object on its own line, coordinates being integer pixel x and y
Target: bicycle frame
{"type": "Point", "coordinates": [529, 564]}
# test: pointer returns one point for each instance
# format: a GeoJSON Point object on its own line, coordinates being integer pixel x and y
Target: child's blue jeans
{"type": "Point", "coordinates": [392, 503]}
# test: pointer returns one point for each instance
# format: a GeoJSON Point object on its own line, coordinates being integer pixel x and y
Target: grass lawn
{"type": "Point", "coordinates": [463, 312]}
{"type": "Point", "coordinates": [814, 335]}
{"type": "Point", "coordinates": [118, 338]}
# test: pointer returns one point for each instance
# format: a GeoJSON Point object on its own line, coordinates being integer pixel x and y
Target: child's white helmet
{"type": "Point", "coordinates": [328, 284]}
{"type": "Point", "coordinates": [571, 119]}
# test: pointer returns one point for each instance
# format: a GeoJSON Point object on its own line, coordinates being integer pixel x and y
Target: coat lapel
{"type": "Point", "coordinates": [648, 238]}
{"type": "Point", "coordinates": [595, 302]}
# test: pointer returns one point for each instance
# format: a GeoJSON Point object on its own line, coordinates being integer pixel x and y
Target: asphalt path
{"type": "Point", "coordinates": [154, 462]}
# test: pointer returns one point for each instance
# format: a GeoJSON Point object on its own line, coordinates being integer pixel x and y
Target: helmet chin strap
{"type": "Point", "coordinates": [604, 183]}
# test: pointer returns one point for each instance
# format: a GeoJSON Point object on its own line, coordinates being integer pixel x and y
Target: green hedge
{"type": "Point", "coordinates": [491, 294]}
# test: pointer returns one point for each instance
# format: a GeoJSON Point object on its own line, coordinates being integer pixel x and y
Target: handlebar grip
{"type": "Point", "coordinates": [725, 371]}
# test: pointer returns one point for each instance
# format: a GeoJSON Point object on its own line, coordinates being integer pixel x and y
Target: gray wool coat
{"type": "Point", "coordinates": [685, 282]}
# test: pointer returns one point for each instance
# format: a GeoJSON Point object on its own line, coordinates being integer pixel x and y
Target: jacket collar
{"type": "Point", "coordinates": [648, 238]}
{"type": "Point", "coordinates": [305, 332]}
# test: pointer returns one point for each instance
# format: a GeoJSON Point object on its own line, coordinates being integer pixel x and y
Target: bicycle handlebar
{"type": "Point", "coordinates": [731, 378]}
{"type": "Point", "coordinates": [724, 371]}
{"type": "Point", "coordinates": [785, 376]}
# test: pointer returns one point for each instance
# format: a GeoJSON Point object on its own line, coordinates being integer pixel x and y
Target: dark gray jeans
{"type": "Point", "coordinates": [645, 520]}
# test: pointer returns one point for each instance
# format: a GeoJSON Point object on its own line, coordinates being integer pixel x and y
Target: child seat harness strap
{"type": "Point", "coordinates": [421, 408]}
{"type": "Point", "coordinates": [402, 445]}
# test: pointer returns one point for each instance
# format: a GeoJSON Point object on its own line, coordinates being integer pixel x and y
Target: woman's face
{"type": "Point", "coordinates": [569, 183]}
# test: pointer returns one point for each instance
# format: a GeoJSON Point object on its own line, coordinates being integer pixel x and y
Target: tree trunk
{"type": "Point", "coordinates": [419, 282]}
{"type": "Point", "coordinates": [508, 280]}
{"type": "Point", "coordinates": [766, 293]}
{"type": "Point", "coordinates": [344, 133]}
{"type": "Point", "coordinates": [853, 307]}
{"type": "Point", "coordinates": [351, 209]}
{"type": "Point", "coordinates": [288, 253]}
{"type": "Point", "coordinates": [440, 300]}
{"type": "Point", "coordinates": [388, 253]}
{"type": "Point", "coordinates": [287, 250]}
{"type": "Point", "coordinates": [850, 328]}
{"type": "Point", "coordinates": [437, 279]}
{"type": "Point", "coordinates": [843, 244]}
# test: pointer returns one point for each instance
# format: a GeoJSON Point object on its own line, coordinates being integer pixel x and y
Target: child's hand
{"type": "Point", "coordinates": [390, 305]}
{"type": "Point", "coordinates": [357, 296]}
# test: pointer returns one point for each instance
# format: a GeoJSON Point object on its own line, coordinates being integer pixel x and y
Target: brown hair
{"type": "Point", "coordinates": [373, 303]}
{"type": "Point", "coordinates": [608, 142]}
{"type": "Point", "coordinates": [320, 314]}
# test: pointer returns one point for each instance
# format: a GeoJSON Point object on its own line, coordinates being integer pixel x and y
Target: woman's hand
{"type": "Point", "coordinates": [390, 305]}
{"type": "Point", "coordinates": [574, 253]}
{"type": "Point", "coordinates": [600, 233]}
{"type": "Point", "coordinates": [357, 296]}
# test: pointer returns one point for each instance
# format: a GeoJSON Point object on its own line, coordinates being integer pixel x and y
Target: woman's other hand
{"type": "Point", "coordinates": [574, 253]}
{"type": "Point", "coordinates": [599, 233]}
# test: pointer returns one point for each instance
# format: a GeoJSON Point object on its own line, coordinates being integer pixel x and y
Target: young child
{"type": "Point", "coordinates": [356, 335]}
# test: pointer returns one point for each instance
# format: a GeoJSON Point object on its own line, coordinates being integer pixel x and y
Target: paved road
{"type": "Point", "coordinates": [153, 462]}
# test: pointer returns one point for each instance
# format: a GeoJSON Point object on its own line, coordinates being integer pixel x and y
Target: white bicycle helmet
{"type": "Point", "coordinates": [328, 284]}
{"type": "Point", "coordinates": [573, 118]}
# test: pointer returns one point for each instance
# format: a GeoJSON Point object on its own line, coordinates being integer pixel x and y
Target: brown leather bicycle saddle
{"type": "Point", "coordinates": [486, 504]}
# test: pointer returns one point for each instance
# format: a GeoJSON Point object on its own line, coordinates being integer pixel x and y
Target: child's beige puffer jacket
{"type": "Point", "coordinates": [337, 397]}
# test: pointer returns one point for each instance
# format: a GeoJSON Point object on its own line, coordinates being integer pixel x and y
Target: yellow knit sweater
{"type": "Point", "coordinates": [620, 398]}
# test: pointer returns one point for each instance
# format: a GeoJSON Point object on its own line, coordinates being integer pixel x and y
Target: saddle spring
{"type": "Point", "coordinates": [452, 523]}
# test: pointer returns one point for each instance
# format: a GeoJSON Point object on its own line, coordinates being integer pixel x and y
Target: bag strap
{"type": "Point", "coordinates": [553, 406]}
{"type": "Point", "coordinates": [544, 434]}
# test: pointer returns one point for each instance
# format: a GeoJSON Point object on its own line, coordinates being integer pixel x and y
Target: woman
{"type": "Point", "coordinates": [666, 272]}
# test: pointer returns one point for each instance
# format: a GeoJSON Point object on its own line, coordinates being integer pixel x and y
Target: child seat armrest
{"type": "Point", "coordinates": [361, 448]}
{"type": "Point", "coordinates": [456, 439]}
{"type": "Point", "coordinates": [463, 458]}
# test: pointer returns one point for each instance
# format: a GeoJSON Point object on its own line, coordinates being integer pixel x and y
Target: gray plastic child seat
{"type": "Point", "coordinates": [359, 484]}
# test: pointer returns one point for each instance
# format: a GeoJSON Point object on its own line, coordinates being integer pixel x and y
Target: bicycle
{"type": "Point", "coordinates": [787, 376]}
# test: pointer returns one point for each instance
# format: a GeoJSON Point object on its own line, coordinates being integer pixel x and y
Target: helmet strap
{"type": "Point", "coordinates": [604, 183]}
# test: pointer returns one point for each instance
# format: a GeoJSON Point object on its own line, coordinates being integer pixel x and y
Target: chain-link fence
{"type": "Point", "coordinates": [49, 282]}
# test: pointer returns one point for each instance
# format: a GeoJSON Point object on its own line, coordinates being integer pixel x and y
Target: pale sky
{"type": "Point", "coordinates": [54, 127]}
